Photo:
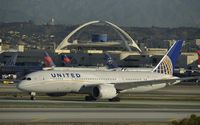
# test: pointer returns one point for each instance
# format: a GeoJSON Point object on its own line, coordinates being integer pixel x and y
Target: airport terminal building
{"type": "Point", "coordinates": [89, 50]}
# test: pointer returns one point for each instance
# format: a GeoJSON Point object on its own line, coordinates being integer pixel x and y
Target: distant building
{"type": "Point", "coordinates": [20, 48]}
{"type": "Point", "coordinates": [169, 43]}
{"type": "Point", "coordinates": [52, 22]}
{"type": "Point", "coordinates": [198, 42]}
{"type": "Point", "coordinates": [188, 60]}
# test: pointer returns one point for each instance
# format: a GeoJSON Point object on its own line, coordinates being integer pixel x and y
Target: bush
{"type": "Point", "coordinates": [193, 120]}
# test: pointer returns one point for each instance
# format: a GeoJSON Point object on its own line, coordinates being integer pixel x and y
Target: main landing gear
{"type": "Point", "coordinates": [115, 99]}
{"type": "Point", "coordinates": [90, 98]}
{"type": "Point", "coordinates": [32, 94]}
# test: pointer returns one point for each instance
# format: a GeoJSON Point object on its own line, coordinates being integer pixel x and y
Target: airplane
{"type": "Point", "coordinates": [66, 60]}
{"type": "Point", "coordinates": [112, 65]}
{"type": "Point", "coordinates": [11, 68]}
{"type": "Point", "coordinates": [104, 84]}
{"type": "Point", "coordinates": [48, 62]}
{"type": "Point", "coordinates": [198, 52]}
{"type": "Point", "coordinates": [12, 60]}
{"type": "Point", "coordinates": [50, 65]}
{"type": "Point", "coordinates": [11, 71]}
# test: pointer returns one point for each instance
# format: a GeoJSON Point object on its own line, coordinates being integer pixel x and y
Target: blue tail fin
{"type": "Point", "coordinates": [109, 61]}
{"type": "Point", "coordinates": [12, 60]}
{"type": "Point", "coordinates": [168, 62]}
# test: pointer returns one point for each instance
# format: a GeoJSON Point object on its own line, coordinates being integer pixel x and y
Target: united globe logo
{"type": "Point", "coordinates": [165, 66]}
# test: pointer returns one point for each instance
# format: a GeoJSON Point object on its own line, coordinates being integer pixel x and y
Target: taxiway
{"type": "Point", "coordinates": [94, 114]}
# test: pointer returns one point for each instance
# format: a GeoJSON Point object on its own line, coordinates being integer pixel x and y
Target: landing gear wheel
{"type": "Point", "coordinates": [89, 98]}
{"type": "Point", "coordinates": [32, 97]}
{"type": "Point", "coordinates": [32, 94]}
{"type": "Point", "coordinates": [116, 99]}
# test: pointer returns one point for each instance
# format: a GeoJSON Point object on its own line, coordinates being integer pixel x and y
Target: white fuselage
{"type": "Point", "coordinates": [75, 81]}
{"type": "Point", "coordinates": [97, 69]}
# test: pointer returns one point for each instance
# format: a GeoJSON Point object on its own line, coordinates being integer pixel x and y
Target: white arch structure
{"type": "Point", "coordinates": [65, 42]}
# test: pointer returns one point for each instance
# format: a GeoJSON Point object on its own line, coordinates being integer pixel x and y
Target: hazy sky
{"type": "Point", "coordinates": [165, 13]}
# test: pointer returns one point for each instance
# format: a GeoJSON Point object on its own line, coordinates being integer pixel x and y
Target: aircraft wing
{"type": "Point", "coordinates": [128, 85]}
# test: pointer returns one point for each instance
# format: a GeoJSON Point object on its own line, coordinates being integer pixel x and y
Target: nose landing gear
{"type": "Point", "coordinates": [32, 94]}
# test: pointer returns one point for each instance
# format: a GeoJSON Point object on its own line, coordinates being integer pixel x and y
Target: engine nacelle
{"type": "Point", "coordinates": [104, 91]}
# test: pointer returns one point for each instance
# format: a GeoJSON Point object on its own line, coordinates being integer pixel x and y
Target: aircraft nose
{"type": "Point", "coordinates": [22, 86]}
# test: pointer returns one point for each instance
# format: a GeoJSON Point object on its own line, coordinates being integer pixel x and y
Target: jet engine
{"type": "Point", "coordinates": [104, 91]}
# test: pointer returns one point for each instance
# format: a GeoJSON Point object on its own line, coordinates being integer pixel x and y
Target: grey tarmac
{"type": "Point", "coordinates": [93, 114]}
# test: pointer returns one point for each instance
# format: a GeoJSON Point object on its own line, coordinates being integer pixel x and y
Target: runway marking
{"type": "Point", "coordinates": [171, 120]}
{"type": "Point", "coordinates": [38, 119]}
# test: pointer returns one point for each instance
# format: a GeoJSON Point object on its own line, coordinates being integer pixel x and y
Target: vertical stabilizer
{"type": "Point", "coordinates": [168, 62]}
{"type": "Point", "coordinates": [12, 60]}
{"type": "Point", "coordinates": [198, 52]}
{"type": "Point", "coordinates": [48, 60]}
{"type": "Point", "coordinates": [109, 61]}
{"type": "Point", "coordinates": [66, 60]}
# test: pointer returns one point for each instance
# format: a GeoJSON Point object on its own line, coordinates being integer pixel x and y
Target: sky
{"type": "Point", "coordinates": [139, 13]}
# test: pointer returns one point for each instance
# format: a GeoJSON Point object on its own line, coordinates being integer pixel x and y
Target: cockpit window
{"type": "Point", "coordinates": [28, 78]}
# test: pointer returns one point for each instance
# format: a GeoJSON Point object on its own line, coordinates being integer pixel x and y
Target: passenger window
{"type": "Point", "coordinates": [28, 78]}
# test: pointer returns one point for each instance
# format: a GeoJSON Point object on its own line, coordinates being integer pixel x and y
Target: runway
{"type": "Point", "coordinates": [93, 114]}
{"type": "Point", "coordinates": [81, 111]}
{"type": "Point", "coordinates": [135, 102]}
{"type": "Point", "coordinates": [164, 105]}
